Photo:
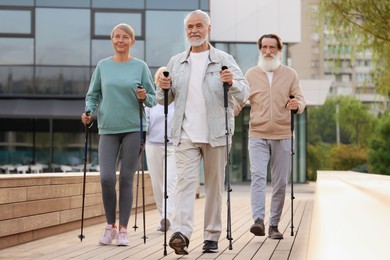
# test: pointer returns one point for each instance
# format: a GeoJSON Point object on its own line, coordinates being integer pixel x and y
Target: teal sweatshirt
{"type": "Point", "coordinates": [112, 95]}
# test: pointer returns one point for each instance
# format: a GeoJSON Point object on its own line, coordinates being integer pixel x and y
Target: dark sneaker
{"type": "Point", "coordinates": [258, 228]}
{"type": "Point", "coordinates": [179, 243]}
{"type": "Point", "coordinates": [273, 232]}
{"type": "Point", "coordinates": [210, 246]}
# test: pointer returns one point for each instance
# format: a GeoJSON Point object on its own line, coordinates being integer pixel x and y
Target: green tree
{"type": "Point", "coordinates": [321, 123]}
{"type": "Point", "coordinates": [363, 25]}
{"type": "Point", "coordinates": [379, 153]}
{"type": "Point", "coordinates": [355, 120]}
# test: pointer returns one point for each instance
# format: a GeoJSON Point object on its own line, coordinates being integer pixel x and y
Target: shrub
{"type": "Point", "coordinates": [347, 157]}
{"type": "Point", "coordinates": [317, 158]}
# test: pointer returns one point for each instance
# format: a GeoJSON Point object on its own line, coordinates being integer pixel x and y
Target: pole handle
{"type": "Point", "coordinates": [225, 90]}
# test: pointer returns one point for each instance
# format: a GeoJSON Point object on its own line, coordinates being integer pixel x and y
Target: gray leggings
{"type": "Point", "coordinates": [129, 144]}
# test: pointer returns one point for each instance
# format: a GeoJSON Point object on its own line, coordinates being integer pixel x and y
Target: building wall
{"type": "Point", "coordinates": [54, 46]}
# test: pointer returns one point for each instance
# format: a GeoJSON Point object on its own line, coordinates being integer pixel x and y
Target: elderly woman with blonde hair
{"type": "Point", "coordinates": [113, 96]}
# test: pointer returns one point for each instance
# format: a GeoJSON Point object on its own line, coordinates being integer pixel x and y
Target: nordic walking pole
{"type": "Point", "coordinates": [166, 74]}
{"type": "Point", "coordinates": [141, 108]}
{"type": "Point", "coordinates": [229, 217]}
{"type": "Point", "coordinates": [292, 168]}
{"type": "Point", "coordinates": [81, 236]}
{"type": "Point", "coordinates": [136, 200]}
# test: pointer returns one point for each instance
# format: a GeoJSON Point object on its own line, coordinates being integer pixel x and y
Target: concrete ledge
{"type": "Point", "coordinates": [34, 206]}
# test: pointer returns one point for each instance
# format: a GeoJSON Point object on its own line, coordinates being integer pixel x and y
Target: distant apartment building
{"type": "Point", "coordinates": [319, 56]}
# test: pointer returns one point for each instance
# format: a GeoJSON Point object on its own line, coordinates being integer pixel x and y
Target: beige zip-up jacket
{"type": "Point", "coordinates": [270, 118]}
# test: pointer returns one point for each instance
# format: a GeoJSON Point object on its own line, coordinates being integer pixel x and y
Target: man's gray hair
{"type": "Point", "coordinates": [205, 16]}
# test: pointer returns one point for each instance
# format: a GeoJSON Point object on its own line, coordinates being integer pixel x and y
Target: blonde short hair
{"type": "Point", "coordinates": [158, 74]}
{"type": "Point", "coordinates": [126, 28]}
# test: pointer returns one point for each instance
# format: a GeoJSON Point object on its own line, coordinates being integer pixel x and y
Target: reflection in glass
{"type": "Point", "coordinates": [204, 5]}
{"type": "Point", "coordinates": [165, 36]}
{"type": "Point", "coordinates": [103, 48]}
{"type": "Point", "coordinates": [17, 3]}
{"type": "Point", "coordinates": [246, 55]}
{"type": "Point", "coordinates": [62, 80]}
{"type": "Point", "coordinates": [173, 4]}
{"type": "Point", "coordinates": [104, 22]}
{"type": "Point", "coordinates": [59, 42]}
{"type": "Point", "coordinates": [15, 21]}
{"type": "Point", "coordinates": [62, 3]}
{"type": "Point", "coordinates": [135, 4]}
{"type": "Point", "coordinates": [19, 51]}
{"type": "Point", "coordinates": [16, 80]}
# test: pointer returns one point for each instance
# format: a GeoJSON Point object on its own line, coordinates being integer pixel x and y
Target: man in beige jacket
{"type": "Point", "coordinates": [274, 93]}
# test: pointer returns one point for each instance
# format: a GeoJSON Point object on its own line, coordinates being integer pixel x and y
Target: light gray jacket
{"type": "Point", "coordinates": [179, 70]}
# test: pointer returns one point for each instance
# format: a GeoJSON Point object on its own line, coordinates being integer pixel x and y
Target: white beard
{"type": "Point", "coordinates": [269, 65]}
{"type": "Point", "coordinates": [197, 43]}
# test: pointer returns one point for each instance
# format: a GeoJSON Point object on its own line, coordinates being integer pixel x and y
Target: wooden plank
{"type": "Point", "coordinates": [245, 244]}
{"type": "Point", "coordinates": [301, 243]}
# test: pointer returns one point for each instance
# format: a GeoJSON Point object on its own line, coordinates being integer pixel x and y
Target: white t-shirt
{"type": "Point", "coordinates": [270, 76]}
{"type": "Point", "coordinates": [195, 126]}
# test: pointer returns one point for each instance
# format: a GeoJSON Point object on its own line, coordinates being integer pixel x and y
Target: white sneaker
{"type": "Point", "coordinates": [162, 227]}
{"type": "Point", "coordinates": [122, 240]}
{"type": "Point", "coordinates": [109, 233]}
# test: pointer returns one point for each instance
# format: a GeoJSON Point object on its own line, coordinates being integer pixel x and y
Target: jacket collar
{"type": "Point", "coordinates": [213, 57]}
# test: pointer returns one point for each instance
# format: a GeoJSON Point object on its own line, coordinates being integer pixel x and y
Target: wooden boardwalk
{"type": "Point", "coordinates": [343, 216]}
{"type": "Point", "coordinates": [245, 245]}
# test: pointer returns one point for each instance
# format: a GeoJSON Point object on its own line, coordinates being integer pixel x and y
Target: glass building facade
{"type": "Point", "coordinates": [49, 49]}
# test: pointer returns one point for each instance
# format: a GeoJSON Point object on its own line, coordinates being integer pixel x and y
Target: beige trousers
{"type": "Point", "coordinates": [188, 159]}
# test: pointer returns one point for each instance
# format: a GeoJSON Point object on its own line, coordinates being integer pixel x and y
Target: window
{"type": "Point", "coordinates": [246, 55]}
{"type": "Point", "coordinates": [103, 22]}
{"type": "Point", "coordinates": [19, 51]}
{"type": "Point", "coordinates": [16, 23]}
{"type": "Point", "coordinates": [345, 78]}
{"type": "Point", "coordinates": [162, 42]}
{"type": "Point", "coordinates": [70, 81]}
{"type": "Point", "coordinates": [17, 3]}
{"type": "Point", "coordinates": [173, 4]}
{"type": "Point", "coordinates": [62, 3]}
{"type": "Point", "coordinates": [133, 4]}
{"type": "Point", "coordinates": [16, 80]}
{"type": "Point", "coordinates": [62, 36]}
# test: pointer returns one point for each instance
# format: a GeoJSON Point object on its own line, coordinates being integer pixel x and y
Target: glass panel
{"type": "Point", "coordinates": [246, 55]}
{"type": "Point", "coordinates": [62, 3]}
{"type": "Point", "coordinates": [19, 51]}
{"type": "Point", "coordinates": [173, 4]}
{"type": "Point", "coordinates": [15, 21]}
{"type": "Point", "coordinates": [17, 3]}
{"type": "Point", "coordinates": [29, 142]}
{"type": "Point", "coordinates": [138, 4]}
{"type": "Point", "coordinates": [204, 5]}
{"type": "Point", "coordinates": [103, 48]}
{"type": "Point", "coordinates": [62, 80]}
{"type": "Point", "coordinates": [16, 80]}
{"type": "Point", "coordinates": [73, 36]}
{"type": "Point", "coordinates": [104, 22]}
{"type": "Point", "coordinates": [163, 40]}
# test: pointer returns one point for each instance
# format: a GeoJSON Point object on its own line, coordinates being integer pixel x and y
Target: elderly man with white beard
{"type": "Point", "coordinates": [195, 83]}
{"type": "Point", "coordinates": [274, 93]}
